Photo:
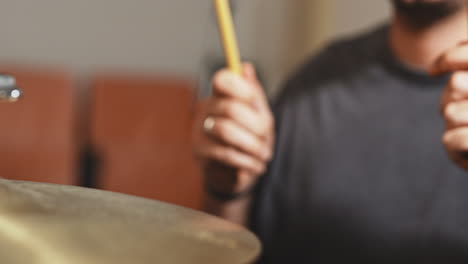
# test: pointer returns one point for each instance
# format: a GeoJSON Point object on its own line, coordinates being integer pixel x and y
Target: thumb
{"type": "Point", "coordinates": [249, 72]}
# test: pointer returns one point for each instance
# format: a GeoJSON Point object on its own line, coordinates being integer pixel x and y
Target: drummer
{"type": "Point", "coordinates": [349, 165]}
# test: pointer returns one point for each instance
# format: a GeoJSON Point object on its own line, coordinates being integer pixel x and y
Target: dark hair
{"type": "Point", "coordinates": [421, 14]}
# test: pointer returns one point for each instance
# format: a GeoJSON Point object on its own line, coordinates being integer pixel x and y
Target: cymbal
{"type": "Point", "coordinates": [55, 224]}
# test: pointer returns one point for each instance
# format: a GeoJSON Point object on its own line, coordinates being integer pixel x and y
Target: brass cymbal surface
{"type": "Point", "coordinates": [55, 224]}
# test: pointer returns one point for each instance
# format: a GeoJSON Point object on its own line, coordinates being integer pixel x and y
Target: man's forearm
{"type": "Point", "coordinates": [224, 196]}
{"type": "Point", "coordinates": [236, 211]}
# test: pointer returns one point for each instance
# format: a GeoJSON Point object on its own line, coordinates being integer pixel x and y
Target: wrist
{"type": "Point", "coordinates": [227, 196]}
{"type": "Point", "coordinates": [225, 184]}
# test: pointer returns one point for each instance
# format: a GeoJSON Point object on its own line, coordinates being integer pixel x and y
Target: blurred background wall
{"type": "Point", "coordinates": [174, 35]}
{"type": "Point", "coordinates": [86, 34]}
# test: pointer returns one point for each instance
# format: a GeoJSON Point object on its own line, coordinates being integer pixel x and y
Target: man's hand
{"type": "Point", "coordinates": [234, 129]}
{"type": "Point", "coordinates": [454, 102]}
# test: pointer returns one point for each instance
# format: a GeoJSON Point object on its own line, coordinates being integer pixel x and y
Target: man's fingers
{"type": "Point", "coordinates": [230, 133]}
{"type": "Point", "coordinates": [238, 130]}
{"type": "Point", "coordinates": [231, 157]}
{"type": "Point", "coordinates": [458, 85]}
{"type": "Point", "coordinates": [456, 114]}
{"type": "Point", "coordinates": [454, 102]}
{"type": "Point", "coordinates": [229, 84]}
{"type": "Point", "coordinates": [456, 90]}
{"type": "Point", "coordinates": [456, 140]}
{"type": "Point", "coordinates": [246, 87]}
{"type": "Point", "coordinates": [453, 60]}
{"type": "Point", "coordinates": [243, 114]}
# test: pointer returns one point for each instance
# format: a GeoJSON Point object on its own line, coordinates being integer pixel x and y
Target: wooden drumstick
{"type": "Point", "coordinates": [232, 55]}
{"type": "Point", "coordinates": [228, 36]}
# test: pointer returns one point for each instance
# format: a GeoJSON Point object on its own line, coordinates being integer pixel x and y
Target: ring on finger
{"type": "Point", "coordinates": [208, 124]}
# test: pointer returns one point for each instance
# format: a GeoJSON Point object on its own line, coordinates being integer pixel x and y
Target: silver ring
{"type": "Point", "coordinates": [208, 124]}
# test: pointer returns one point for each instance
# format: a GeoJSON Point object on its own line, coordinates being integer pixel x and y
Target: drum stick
{"type": "Point", "coordinates": [232, 55]}
{"type": "Point", "coordinates": [228, 36]}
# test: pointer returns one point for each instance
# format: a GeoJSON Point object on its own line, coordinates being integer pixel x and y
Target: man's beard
{"type": "Point", "coordinates": [420, 14]}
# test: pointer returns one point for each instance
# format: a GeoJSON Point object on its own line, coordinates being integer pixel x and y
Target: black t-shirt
{"type": "Point", "coordinates": [360, 173]}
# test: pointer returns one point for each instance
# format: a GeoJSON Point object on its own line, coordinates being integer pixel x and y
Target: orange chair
{"type": "Point", "coordinates": [140, 129]}
{"type": "Point", "coordinates": [36, 133]}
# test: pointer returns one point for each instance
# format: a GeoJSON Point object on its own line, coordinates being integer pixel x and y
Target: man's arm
{"type": "Point", "coordinates": [233, 138]}
{"type": "Point", "coordinates": [235, 211]}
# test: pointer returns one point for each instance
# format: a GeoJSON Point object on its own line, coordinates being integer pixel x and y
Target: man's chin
{"type": "Point", "coordinates": [423, 13]}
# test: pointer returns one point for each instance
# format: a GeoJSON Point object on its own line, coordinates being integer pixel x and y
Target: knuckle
{"type": "Point", "coordinates": [446, 139]}
{"type": "Point", "coordinates": [250, 162]}
{"type": "Point", "coordinates": [455, 140]}
{"type": "Point", "coordinates": [265, 128]}
{"type": "Point", "coordinates": [452, 54]}
{"type": "Point", "coordinates": [257, 128]}
{"type": "Point", "coordinates": [449, 55]}
{"type": "Point", "coordinates": [258, 92]}
{"type": "Point", "coordinates": [222, 154]}
{"type": "Point", "coordinates": [458, 80]}
{"type": "Point", "coordinates": [221, 129]}
{"type": "Point", "coordinates": [251, 141]}
{"type": "Point", "coordinates": [248, 89]}
{"type": "Point", "coordinates": [218, 78]}
{"type": "Point", "coordinates": [231, 109]}
{"type": "Point", "coordinates": [260, 151]}
{"type": "Point", "coordinates": [441, 61]}
{"type": "Point", "coordinates": [260, 167]}
{"type": "Point", "coordinates": [251, 145]}
{"type": "Point", "coordinates": [271, 120]}
{"type": "Point", "coordinates": [235, 158]}
{"type": "Point", "coordinates": [462, 143]}
{"type": "Point", "coordinates": [270, 123]}
{"type": "Point", "coordinates": [449, 110]}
